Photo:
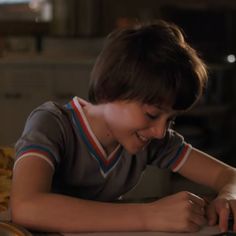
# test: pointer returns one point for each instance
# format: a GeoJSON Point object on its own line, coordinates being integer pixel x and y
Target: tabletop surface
{"type": "Point", "coordinates": [205, 231]}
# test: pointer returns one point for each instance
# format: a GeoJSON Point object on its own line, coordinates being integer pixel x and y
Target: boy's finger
{"type": "Point", "coordinates": [211, 214]}
{"type": "Point", "coordinates": [232, 217]}
{"type": "Point", "coordinates": [197, 200]}
{"type": "Point", "coordinates": [224, 212]}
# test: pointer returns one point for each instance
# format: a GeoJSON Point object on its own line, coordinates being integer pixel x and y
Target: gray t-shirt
{"type": "Point", "coordinates": [61, 135]}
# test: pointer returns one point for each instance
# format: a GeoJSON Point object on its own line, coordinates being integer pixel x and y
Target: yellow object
{"type": "Point", "coordinates": [8, 229]}
{"type": "Point", "coordinates": [6, 165]}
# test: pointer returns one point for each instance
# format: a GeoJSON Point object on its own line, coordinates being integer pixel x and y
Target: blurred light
{"type": "Point", "coordinates": [13, 1]}
{"type": "Point", "coordinates": [44, 8]}
{"type": "Point", "coordinates": [35, 4]}
{"type": "Point", "coordinates": [231, 58]}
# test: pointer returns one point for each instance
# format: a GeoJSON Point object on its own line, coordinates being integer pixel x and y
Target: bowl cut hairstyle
{"type": "Point", "coordinates": [150, 63]}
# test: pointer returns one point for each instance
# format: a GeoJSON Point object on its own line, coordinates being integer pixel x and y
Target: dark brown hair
{"type": "Point", "coordinates": [150, 63]}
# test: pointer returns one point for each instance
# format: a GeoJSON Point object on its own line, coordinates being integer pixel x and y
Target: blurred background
{"type": "Point", "coordinates": [48, 47]}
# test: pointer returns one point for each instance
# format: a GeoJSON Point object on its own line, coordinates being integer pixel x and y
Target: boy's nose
{"type": "Point", "coordinates": [158, 131]}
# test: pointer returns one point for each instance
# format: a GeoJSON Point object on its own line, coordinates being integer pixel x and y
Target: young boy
{"type": "Point", "coordinates": [72, 161]}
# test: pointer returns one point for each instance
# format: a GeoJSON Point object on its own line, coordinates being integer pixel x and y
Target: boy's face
{"type": "Point", "coordinates": [134, 124]}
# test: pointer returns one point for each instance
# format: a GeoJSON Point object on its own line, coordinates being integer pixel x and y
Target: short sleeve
{"type": "Point", "coordinates": [170, 152]}
{"type": "Point", "coordinates": [42, 136]}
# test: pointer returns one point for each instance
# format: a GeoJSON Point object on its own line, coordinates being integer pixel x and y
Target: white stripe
{"type": "Point", "coordinates": [105, 174]}
{"type": "Point", "coordinates": [33, 154]}
{"type": "Point", "coordinates": [183, 159]}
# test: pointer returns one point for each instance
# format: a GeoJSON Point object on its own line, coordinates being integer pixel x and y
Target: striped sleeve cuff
{"type": "Point", "coordinates": [36, 151]}
{"type": "Point", "coordinates": [183, 154]}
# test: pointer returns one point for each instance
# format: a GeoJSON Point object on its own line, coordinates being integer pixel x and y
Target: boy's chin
{"type": "Point", "coordinates": [133, 151]}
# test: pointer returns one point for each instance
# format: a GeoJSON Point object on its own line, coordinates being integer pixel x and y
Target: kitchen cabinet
{"type": "Point", "coordinates": [25, 84]}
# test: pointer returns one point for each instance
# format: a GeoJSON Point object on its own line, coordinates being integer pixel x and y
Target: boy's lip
{"type": "Point", "coordinates": [142, 138]}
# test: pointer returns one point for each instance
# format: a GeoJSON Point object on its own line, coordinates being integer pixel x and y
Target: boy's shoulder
{"type": "Point", "coordinates": [51, 107]}
{"type": "Point", "coordinates": [49, 111]}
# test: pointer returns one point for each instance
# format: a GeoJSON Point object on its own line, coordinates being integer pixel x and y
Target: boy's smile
{"type": "Point", "coordinates": [129, 123]}
{"type": "Point", "coordinates": [142, 138]}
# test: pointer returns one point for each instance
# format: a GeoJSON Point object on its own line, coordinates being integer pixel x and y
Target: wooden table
{"type": "Point", "coordinates": [204, 232]}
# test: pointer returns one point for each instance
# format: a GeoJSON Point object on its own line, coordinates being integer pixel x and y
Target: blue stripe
{"type": "Point", "coordinates": [176, 156]}
{"type": "Point", "coordinates": [40, 148]}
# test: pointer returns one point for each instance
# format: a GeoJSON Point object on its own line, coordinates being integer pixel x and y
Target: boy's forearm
{"type": "Point", "coordinates": [66, 214]}
{"type": "Point", "coordinates": [227, 183]}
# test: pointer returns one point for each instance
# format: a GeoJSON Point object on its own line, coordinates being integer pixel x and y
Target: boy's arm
{"type": "Point", "coordinates": [34, 207]}
{"type": "Point", "coordinates": [206, 170]}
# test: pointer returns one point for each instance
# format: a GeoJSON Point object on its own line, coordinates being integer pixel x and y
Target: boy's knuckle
{"type": "Point", "coordinates": [185, 195]}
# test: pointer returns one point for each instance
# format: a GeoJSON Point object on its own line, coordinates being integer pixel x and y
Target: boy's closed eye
{"type": "Point", "coordinates": [170, 121]}
{"type": "Point", "coordinates": [152, 116]}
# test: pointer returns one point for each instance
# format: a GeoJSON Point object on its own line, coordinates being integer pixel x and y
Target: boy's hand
{"type": "Point", "coordinates": [181, 212]}
{"type": "Point", "coordinates": [222, 210]}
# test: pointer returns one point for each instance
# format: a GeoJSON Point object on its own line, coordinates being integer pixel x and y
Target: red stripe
{"type": "Point", "coordinates": [34, 151]}
{"type": "Point", "coordinates": [182, 155]}
{"type": "Point", "coordinates": [39, 152]}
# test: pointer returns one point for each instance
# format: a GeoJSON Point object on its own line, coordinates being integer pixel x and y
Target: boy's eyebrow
{"type": "Point", "coordinates": [167, 110]}
{"type": "Point", "coordinates": [170, 110]}
{"type": "Point", "coordinates": [163, 109]}
{"type": "Point", "coordinates": [170, 113]}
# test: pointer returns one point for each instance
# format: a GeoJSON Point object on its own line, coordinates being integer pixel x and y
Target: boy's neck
{"type": "Point", "coordinates": [97, 122]}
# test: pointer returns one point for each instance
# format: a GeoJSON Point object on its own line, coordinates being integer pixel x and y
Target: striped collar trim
{"type": "Point", "coordinates": [106, 162]}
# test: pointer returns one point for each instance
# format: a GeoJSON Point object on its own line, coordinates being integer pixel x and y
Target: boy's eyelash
{"type": "Point", "coordinates": [152, 117]}
{"type": "Point", "coordinates": [171, 121]}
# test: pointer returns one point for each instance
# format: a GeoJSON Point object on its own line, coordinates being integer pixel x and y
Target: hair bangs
{"type": "Point", "coordinates": [148, 88]}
